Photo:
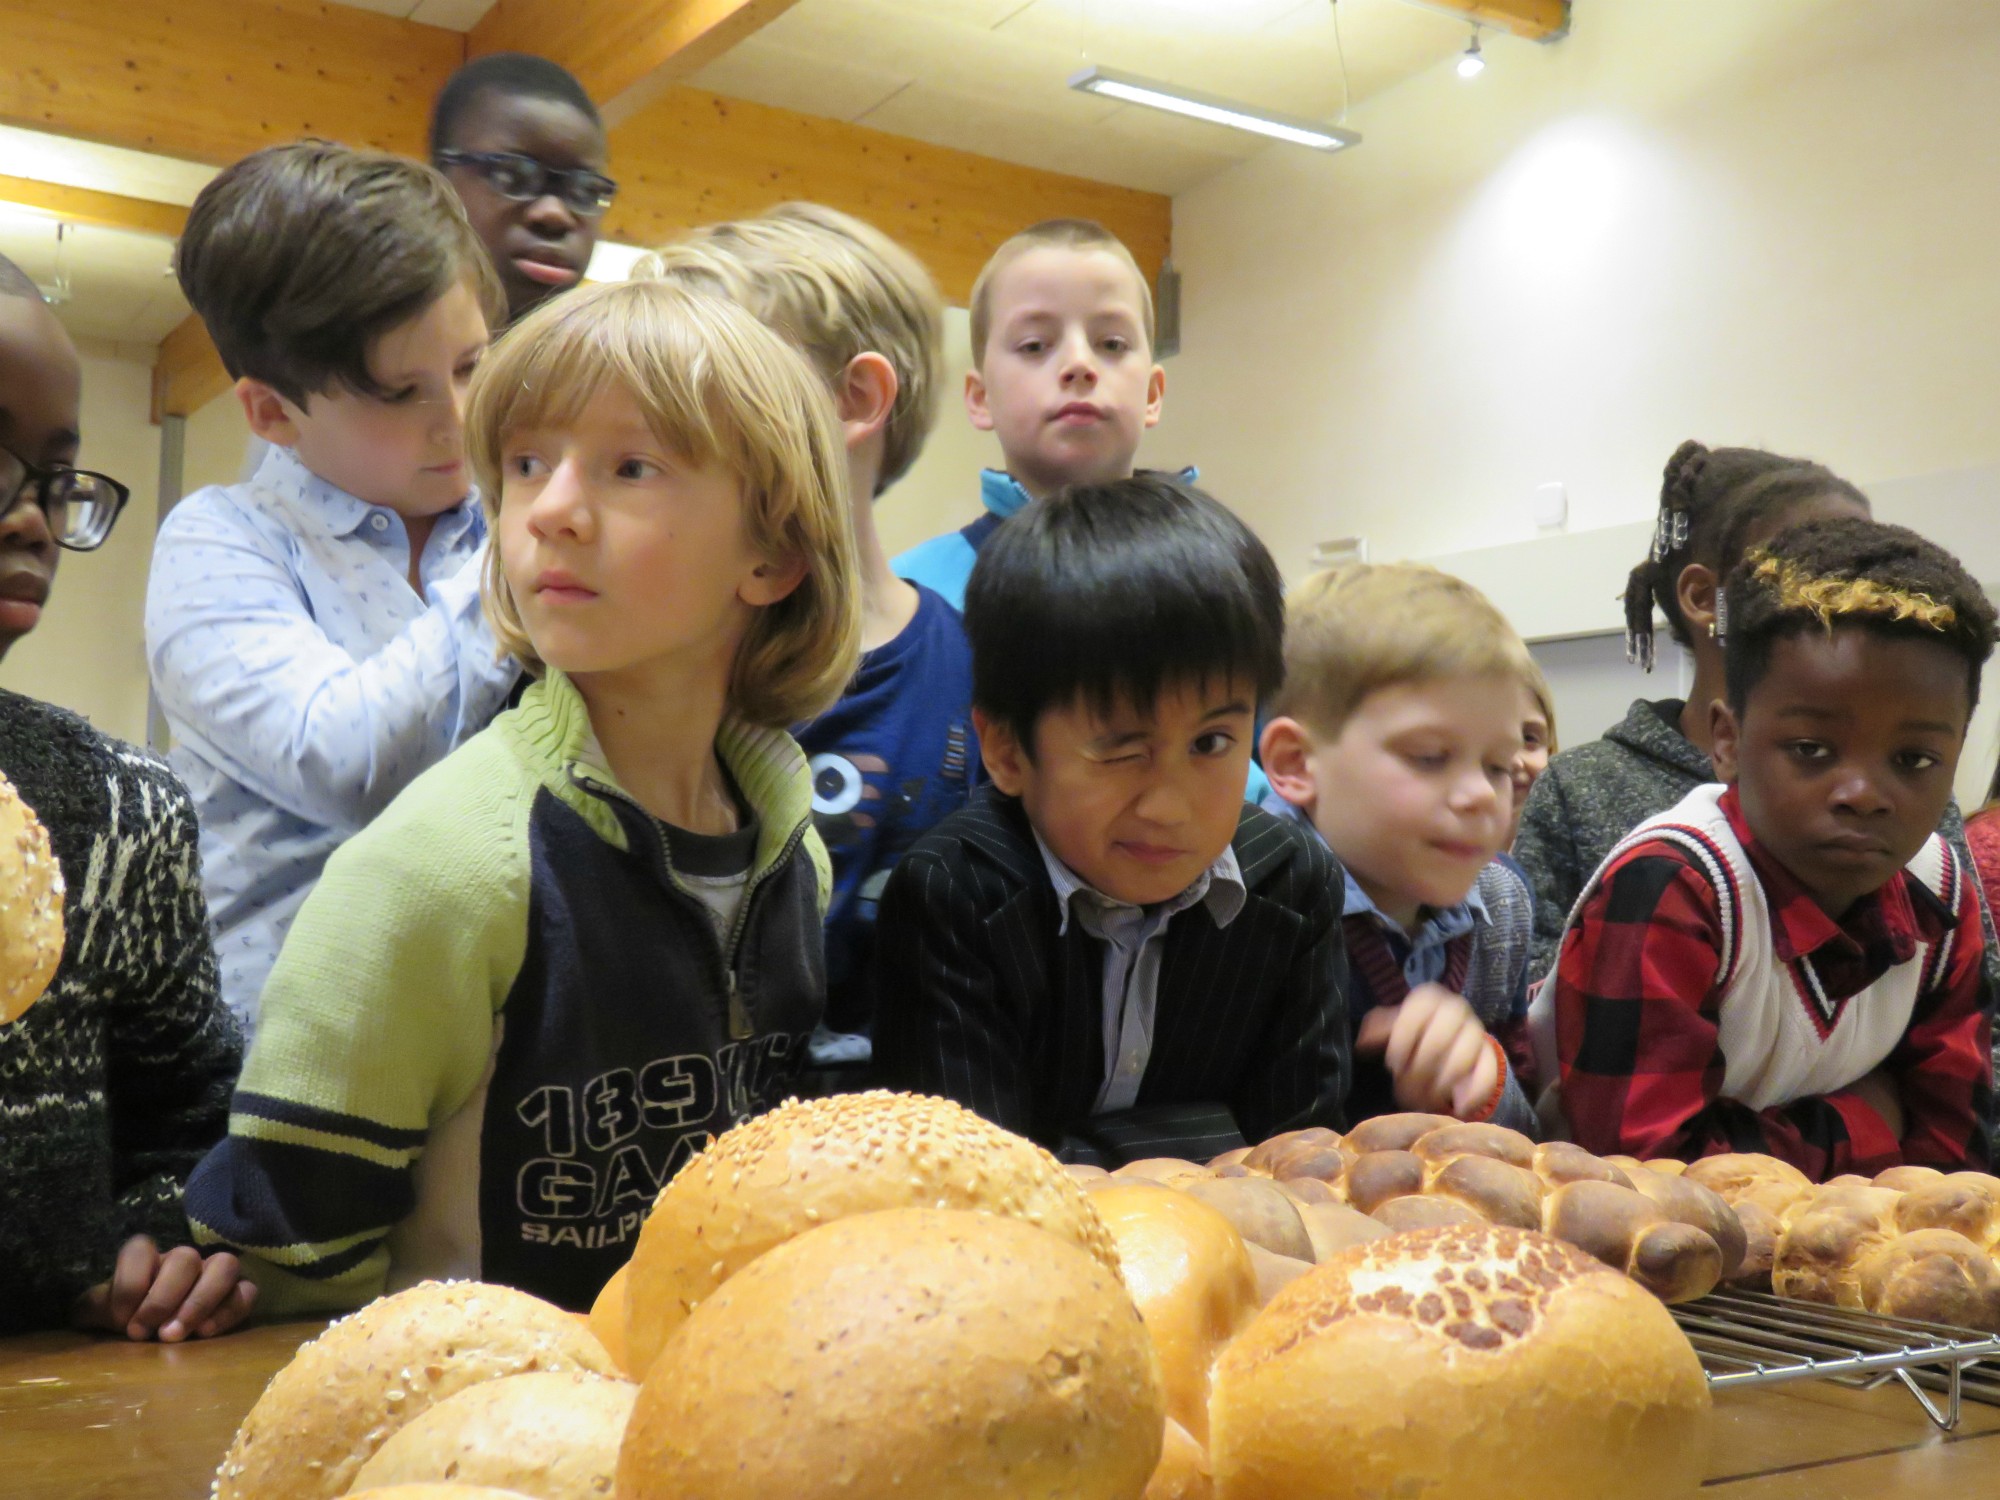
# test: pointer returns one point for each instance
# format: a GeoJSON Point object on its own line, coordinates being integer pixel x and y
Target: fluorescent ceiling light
{"type": "Point", "coordinates": [611, 261]}
{"type": "Point", "coordinates": [1196, 106]}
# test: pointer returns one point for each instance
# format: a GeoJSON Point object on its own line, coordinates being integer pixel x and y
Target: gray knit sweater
{"type": "Point", "coordinates": [1592, 796]}
{"type": "Point", "coordinates": [114, 1083]}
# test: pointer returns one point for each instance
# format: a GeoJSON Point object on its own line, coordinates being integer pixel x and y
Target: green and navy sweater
{"type": "Point", "coordinates": [114, 1083]}
{"type": "Point", "coordinates": [502, 1022]}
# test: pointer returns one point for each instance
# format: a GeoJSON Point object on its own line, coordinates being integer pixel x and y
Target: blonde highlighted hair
{"type": "Point", "coordinates": [837, 288]}
{"type": "Point", "coordinates": [1354, 630]}
{"type": "Point", "coordinates": [717, 387]}
{"type": "Point", "coordinates": [1061, 234]}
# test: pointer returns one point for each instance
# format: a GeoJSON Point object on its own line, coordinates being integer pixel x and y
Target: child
{"type": "Point", "coordinates": [1715, 505]}
{"type": "Point", "coordinates": [1791, 963]}
{"type": "Point", "coordinates": [1107, 951]}
{"type": "Point", "coordinates": [896, 753]}
{"type": "Point", "coordinates": [523, 146]}
{"type": "Point", "coordinates": [314, 634]}
{"type": "Point", "coordinates": [1396, 737]}
{"type": "Point", "coordinates": [1063, 375]}
{"type": "Point", "coordinates": [1538, 744]}
{"type": "Point", "coordinates": [590, 939]}
{"type": "Point", "coordinates": [117, 1079]}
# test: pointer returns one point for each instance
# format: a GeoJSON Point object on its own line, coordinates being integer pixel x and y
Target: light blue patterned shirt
{"type": "Point", "coordinates": [305, 682]}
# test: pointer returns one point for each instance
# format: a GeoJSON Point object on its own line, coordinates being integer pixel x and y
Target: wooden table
{"type": "Point", "coordinates": [96, 1419]}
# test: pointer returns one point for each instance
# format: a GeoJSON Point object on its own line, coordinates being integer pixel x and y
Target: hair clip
{"type": "Point", "coordinates": [1670, 534]}
{"type": "Point", "coordinates": [1639, 649]}
{"type": "Point", "coordinates": [1720, 627]}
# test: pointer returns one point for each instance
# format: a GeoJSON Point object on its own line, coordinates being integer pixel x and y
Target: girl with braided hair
{"type": "Point", "coordinates": [1790, 962]}
{"type": "Point", "coordinates": [1715, 504]}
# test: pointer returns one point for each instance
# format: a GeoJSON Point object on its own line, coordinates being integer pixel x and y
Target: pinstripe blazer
{"type": "Point", "coordinates": [981, 999]}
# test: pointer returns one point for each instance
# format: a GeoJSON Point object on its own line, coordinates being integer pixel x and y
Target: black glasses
{"type": "Point", "coordinates": [524, 179]}
{"type": "Point", "coordinates": [81, 506]}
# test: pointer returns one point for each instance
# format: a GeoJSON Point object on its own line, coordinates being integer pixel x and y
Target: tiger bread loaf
{"type": "Point", "coordinates": [1472, 1360]}
{"type": "Point", "coordinates": [811, 1162]}
{"type": "Point", "coordinates": [1306, 1195]}
{"type": "Point", "coordinates": [349, 1391]}
{"type": "Point", "coordinates": [942, 1353]}
{"type": "Point", "coordinates": [31, 906]}
{"type": "Point", "coordinates": [543, 1436]}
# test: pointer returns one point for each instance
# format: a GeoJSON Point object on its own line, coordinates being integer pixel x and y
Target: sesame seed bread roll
{"type": "Point", "coordinates": [810, 1162]}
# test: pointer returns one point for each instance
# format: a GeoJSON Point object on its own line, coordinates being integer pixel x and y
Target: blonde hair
{"type": "Point", "coordinates": [717, 387]}
{"type": "Point", "coordinates": [837, 288]}
{"type": "Point", "coordinates": [1354, 630]}
{"type": "Point", "coordinates": [1062, 234]}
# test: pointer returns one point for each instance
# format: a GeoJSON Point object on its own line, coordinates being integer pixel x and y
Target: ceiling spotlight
{"type": "Point", "coordinates": [1471, 62]}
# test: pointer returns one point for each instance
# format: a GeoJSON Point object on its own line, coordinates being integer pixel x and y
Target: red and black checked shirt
{"type": "Point", "coordinates": [1637, 1010]}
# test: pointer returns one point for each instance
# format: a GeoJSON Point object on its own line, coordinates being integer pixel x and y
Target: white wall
{"type": "Point", "coordinates": [1770, 223]}
{"type": "Point", "coordinates": [88, 653]}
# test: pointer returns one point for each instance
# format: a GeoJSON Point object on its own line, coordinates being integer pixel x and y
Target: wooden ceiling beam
{"type": "Point", "coordinates": [627, 53]}
{"type": "Point", "coordinates": [694, 158]}
{"type": "Point", "coordinates": [1534, 20]}
{"type": "Point", "coordinates": [188, 373]}
{"type": "Point", "coordinates": [76, 205]}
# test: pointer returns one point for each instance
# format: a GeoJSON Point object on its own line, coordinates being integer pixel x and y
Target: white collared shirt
{"type": "Point", "coordinates": [305, 682]}
{"type": "Point", "coordinates": [1134, 941]}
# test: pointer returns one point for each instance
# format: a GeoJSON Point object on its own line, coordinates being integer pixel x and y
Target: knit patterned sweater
{"type": "Point", "coordinates": [115, 1081]}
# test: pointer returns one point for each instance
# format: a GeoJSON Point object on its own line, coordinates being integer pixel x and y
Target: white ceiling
{"type": "Point", "coordinates": [453, 15]}
{"type": "Point", "coordinates": [119, 283]}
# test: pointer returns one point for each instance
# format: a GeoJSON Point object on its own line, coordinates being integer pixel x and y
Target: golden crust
{"type": "Point", "coordinates": [31, 906]}
{"type": "Point", "coordinates": [810, 1162]}
{"type": "Point", "coordinates": [327, 1412]}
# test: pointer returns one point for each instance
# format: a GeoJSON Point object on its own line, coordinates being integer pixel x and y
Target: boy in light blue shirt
{"type": "Point", "coordinates": [314, 634]}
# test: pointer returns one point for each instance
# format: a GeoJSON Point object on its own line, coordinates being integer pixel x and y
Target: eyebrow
{"type": "Point", "coordinates": [1126, 737]}
{"type": "Point", "coordinates": [1828, 715]}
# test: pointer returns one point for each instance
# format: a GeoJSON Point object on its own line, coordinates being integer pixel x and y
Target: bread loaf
{"type": "Point", "coordinates": [31, 906]}
{"type": "Point", "coordinates": [1627, 1231]}
{"type": "Point", "coordinates": [1824, 1239]}
{"type": "Point", "coordinates": [1471, 1361]}
{"type": "Point", "coordinates": [911, 1352]}
{"type": "Point", "coordinates": [543, 1436]}
{"type": "Point", "coordinates": [1934, 1275]}
{"type": "Point", "coordinates": [810, 1162]}
{"type": "Point", "coordinates": [1191, 1277]}
{"type": "Point", "coordinates": [344, 1394]}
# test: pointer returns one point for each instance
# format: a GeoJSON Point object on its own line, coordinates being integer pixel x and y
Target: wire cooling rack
{"type": "Point", "coordinates": [1754, 1338]}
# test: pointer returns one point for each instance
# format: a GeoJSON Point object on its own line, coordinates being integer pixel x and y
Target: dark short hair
{"type": "Point", "coordinates": [1851, 573]}
{"type": "Point", "coordinates": [519, 75]}
{"type": "Point", "coordinates": [1108, 594]}
{"type": "Point", "coordinates": [298, 257]}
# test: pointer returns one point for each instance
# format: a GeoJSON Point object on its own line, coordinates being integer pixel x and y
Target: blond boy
{"type": "Point", "coordinates": [1063, 375]}
{"type": "Point", "coordinates": [896, 754]}
{"type": "Point", "coordinates": [1395, 736]}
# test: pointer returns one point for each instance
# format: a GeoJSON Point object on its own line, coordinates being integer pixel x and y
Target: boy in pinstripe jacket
{"type": "Point", "coordinates": [1108, 951]}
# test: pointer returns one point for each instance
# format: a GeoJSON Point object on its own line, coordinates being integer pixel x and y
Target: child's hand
{"type": "Point", "coordinates": [1878, 1092]}
{"type": "Point", "coordinates": [174, 1296]}
{"type": "Point", "coordinates": [1435, 1050]}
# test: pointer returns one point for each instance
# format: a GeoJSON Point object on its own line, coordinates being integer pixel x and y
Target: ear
{"type": "Point", "coordinates": [1725, 736]}
{"type": "Point", "coordinates": [270, 415]}
{"type": "Point", "coordinates": [1005, 757]}
{"type": "Point", "coordinates": [975, 401]}
{"type": "Point", "coordinates": [1694, 591]}
{"type": "Point", "coordinates": [1156, 395]}
{"type": "Point", "coordinates": [773, 580]}
{"type": "Point", "coordinates": [867, 395]}
{"type": "Point", "coordinates": [1286, 750]}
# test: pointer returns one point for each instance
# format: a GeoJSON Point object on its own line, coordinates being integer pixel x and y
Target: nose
{"type": "Point", "coordinates": [1475, 792]}
{"type": "Point", "coordinates": [25, 526]}
{"type": "Point", "coordinates": [1079, 361]}
{"type": "Point", "coordinates": [1166, 801]}
{"type": "Point", "coordinates": [562, 506]}
{"type": "Point", "coordinates": [1858, 793]}
{"type": "Point", "coordinates": [550, 217]}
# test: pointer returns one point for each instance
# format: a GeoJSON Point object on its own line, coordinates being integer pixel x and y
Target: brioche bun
{"type": "Point", "coordinates": [1472, 1360]}
{"type": "Point", "coordinates": [548, 1437]}
{"type": "Point", "coordinates": [31, 906]}
{"type": "Point", "coordinates": [343, 1395]}
{"type": "Point", "coordinates": [812, 1161]}
{"type": "Point", "coordinates": [909, 1352]}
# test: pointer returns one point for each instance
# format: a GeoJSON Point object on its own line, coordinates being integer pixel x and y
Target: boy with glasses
{"type": "Point", "coordinates": [522, 145]}
{"type": "Point", "coordinates": [118, 1078]}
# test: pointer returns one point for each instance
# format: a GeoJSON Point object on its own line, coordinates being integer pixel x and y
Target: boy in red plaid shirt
{"type": "Point", "coordinates": [1790, 963]}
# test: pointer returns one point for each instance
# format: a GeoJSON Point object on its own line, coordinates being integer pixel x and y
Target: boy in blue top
{"type": "Point", "coordinates": [897, 753]}
{"type": "Point", "coordinates": [1063, 375]}
{"type": "Point", "coordinates": [314, 634]}
{"type": "Point", "coordinates": [1395, 736]}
